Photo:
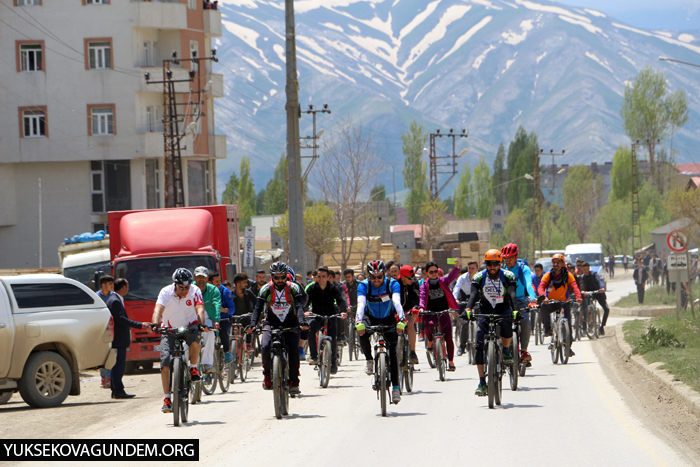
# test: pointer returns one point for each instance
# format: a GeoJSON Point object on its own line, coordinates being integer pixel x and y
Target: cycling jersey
{"type": "Point", "coordinates": [494, 295]}
{"type": "Point", "coordinates": [523, 276]}
{"type": "Point", "coordinates": [556, 287]}
{"type": "Point", "coordinates": [379, 302]}
{"type": "Point", "coordinates": [179, 312]}
{"type": "Point", "coordinates": [280, 306]}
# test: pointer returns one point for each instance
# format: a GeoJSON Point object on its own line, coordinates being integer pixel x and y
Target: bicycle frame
{"type": "Point", "coordinates": [438, 341]}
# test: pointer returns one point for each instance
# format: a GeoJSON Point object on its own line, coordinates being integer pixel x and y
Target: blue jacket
{"type": "Point", "coordinates": [523, 277]}
{"type": "Point", "coordinates": [227, 302]}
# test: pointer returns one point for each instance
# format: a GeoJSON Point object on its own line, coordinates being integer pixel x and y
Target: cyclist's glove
{"type": "Point", "coordinates": [401, 325]}
{"type": "Point", "coordinates": [468, 314]}
{"type": "Point", "coordinates": [202, 327]}
{"type": "Point", "coordinates": [360, 326]}
{"type": "Point", "coordinates": [516, 315]}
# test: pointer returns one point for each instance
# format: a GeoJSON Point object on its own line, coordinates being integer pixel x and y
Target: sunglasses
{"type": "Point", "coordinates": [433, 271]}
{"type": "Point", "coordinates": [412, 278]}
{"type": "Point", "coordinates": [377, 278]}
{"type": "Point", "coordinates": [279, 278]}
{"type": "Point", "coordinates": [493, 263]}
{"type": "Point", "coordinates": [183, 287]}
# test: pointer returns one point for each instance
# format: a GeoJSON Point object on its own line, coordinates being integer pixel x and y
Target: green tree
{"type": "Point", "coordinates": [521, 160]}
{"type": "Point", "coordinates": [319, 230]}
{"type": "Point", "coordinates": [621, 174]}
{"type": "Point", "coordinates": [260, 202]}
{"type": "Point", "coordinates": [517, 230]}
{"type": "Point", "coordinates": [230, 195]}
{"type": "Point", "coordinates": [246, 194]}
{"type": "Point", "coordinates": [612, 227]}
{"type": "Point", "coordinates": [481, 189]}
{"type": "Point", "coordinates": [500, 175]}
{"type": "Point", "coordinates": [464, 201]}
{"type": "Point", "coordinates": [677, 111]}
{"type": "Point", "coordinates": [378, 193]}
{"type": "Point", "coordinates": [433, 215]}
{"type": "Point", "coordinates": [415, 171]}
{"type": "Point", "coordinates": [276, 191]}
{"type": "Point", "coordinates": [581, 192]}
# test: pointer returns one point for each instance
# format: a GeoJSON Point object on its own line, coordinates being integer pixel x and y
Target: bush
{"type": "Point", "coordinates": [656, 338]}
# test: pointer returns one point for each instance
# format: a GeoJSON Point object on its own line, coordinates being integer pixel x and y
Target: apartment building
{"type": "Point", "coordinates": [79, 119]}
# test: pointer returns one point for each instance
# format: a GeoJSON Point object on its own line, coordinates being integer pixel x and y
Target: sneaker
{"type": "Point", "coordinates": [103, 383]}
{"type": "Point", "coordinates": [571, 353]}
{"type": "Point", "coordinates": [267, 382]}
{"type": "Point", "coordinates": [460, 352]}
{"type": "Point", "coordinates": [395, 396]}
{"type": "Point", "coordinates": [194, 374]}
{"type": "Point", "coordinates": [369, 369]}
{"type": "Point", "coordinates": [294, 389]}
{"type": "Point", "coordinates": [601, 331]}
{"type": "Point", "coordinates": [228, 358]}
{"type": "Point", "coordinates": [209, 368]}
{"type": "Point", "coordinates": [525, 356]}
{"type": "Point", "coordinates": [507, 356]}
{"type": "Point", "coordinates": [528, 364]}
{"type": "Point", "coordinates": [313, 361]}
{"type": "Point", "coordinates": [548, 334]}
{"type": "Point", "coordinates": [334, 369]}
{"type": "Point", "coordinates": [421, 337]}
{"type": "Point", "coordinates": [481, 390]}
{"type": "Point", "coordinates": [167, 406]}
{"type": "Point", "coordinates": [302, 354]}
{"type": "Point", "coordinates": [108, 383]}
{"type": "Point", "coordinates": [413, 357]}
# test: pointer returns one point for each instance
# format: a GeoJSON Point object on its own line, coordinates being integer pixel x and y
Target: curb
{"type": "Point", "coordinates": [642, 311]}
{"type": "Point", "coordinates": [689, 397]}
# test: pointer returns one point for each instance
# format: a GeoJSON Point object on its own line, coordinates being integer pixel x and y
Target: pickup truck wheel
{"type": "Point", "coordinates": [5, 396]}
{"type": "Point", "coordinates": [46, 380]}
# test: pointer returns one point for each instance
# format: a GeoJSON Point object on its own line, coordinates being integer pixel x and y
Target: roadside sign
{"type": "Point", "coordinates": [677, 262]}
{"type": "Point", "coordinates": [677, 241]}
{"type": "Point", "coordinates": [249, 248]}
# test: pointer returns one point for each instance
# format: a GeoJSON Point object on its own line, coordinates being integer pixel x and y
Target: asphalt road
{"type": "Point", "coordinates": [569, 415]}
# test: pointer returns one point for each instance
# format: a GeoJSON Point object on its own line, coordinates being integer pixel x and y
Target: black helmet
{"type": "Point", "coordinates": [182, 276]}
{"type": "Point", "coordinates": [278, 268]}
{"type": "Point", "coordinates": [376, 267]}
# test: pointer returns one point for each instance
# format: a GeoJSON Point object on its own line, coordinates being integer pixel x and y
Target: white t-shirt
{"type": "Point", "coordinates": [179, 311]}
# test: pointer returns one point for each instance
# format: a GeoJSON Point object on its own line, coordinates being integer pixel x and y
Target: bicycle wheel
{"type": "Point", "coordinates": [565, 342]}
{"type": "Point", "coordinates": [575, 326]}
{"type": "Point", "coordinates": [382, 382]}
{"type": "Point", "coordinates": [324, 364]}
{"type": "Point", "coordinates": [244, 366]}
{"type": "Point", "coordinates": [440, 357]}
{"type": "Point", "coordinates": [277, 385]}
{"type": "Point", "coordinates": [187, 384]}
{"type": "Point", "coordinates": [339, 352]}
{"type": "Point", "coordinates": [491, 372]}
{"type": "Point", "coordinates": [177, 378]}
{"type": "Point", "coordinates": [597, 324]}
{"type": "Point", "coordinates": [554, 347]}
{"type": "Point", "coordinates": [285, 386]}
{"type": "Point", "coordinates": [225, 372]}
{"type": "Point", "coordinates": [499, 377]}
{"type": "Point", "coordinates": [539, 332]}
{"type": "Point", "coordinates": [234, 363]}
{"type": "Point", "coordinates": [513, 369]}
{"type": "Point", "coordinates": [408, 377]}
{"type": "Point", "coordinates": [429, 355]}
{"type": "Point", "coordinates": [472, 341]}
{"type": "Point", "coordinates": [351, 342]}
{"type": "Point", "coordinates": [522, 368]}
{"type": "Point", "coordinates": [208, 385]}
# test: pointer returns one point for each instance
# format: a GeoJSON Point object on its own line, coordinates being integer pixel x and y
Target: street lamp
{"type": "Point", "coordinates": [561, 171]}
{"type": "Point", "coordinates": [529, 177]}
{"type": "Point", "coordinates": [666, 59]}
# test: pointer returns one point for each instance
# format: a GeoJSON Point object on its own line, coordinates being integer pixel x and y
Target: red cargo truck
{"type": "Point", "coordinates": [147, 246]}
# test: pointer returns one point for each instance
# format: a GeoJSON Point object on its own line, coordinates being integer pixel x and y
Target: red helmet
{"type": "Point", "coordinates": [509, 250]}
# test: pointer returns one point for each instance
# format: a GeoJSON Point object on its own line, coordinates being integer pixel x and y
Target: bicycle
{"type": "Point", "coordinates": [560, 343]}
{"type": "Point", "coordinates": [518, 368]}
{"type": "Point", "coordinates": [181, 386]}
{"type": "Point", "coordinates": [353, 338]}
{"type": "Point", "coordinates": [323, 343]}
{"type": "Point", "coordinates": [592, 317]}
{"type": "Point", "coordinates": [242, 360]}
{"type": "Point", "coordinates": [382, 375]}
{"type": "Point", "coordinates": [576, 323]}
{"type": "Point", "coordinates": [495, 367]}
{"type": "Point", "coordinates": [406, 368]}
{"type": "Point", "coordinates": [223, 372]}
{"type": "Point", "coordinates": [439, 352]}
{"type": "Point", "coordinates": [280, 370]}
{"type": "Point", "coordinates": [470, 347]}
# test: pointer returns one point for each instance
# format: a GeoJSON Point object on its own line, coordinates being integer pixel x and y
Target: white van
{"type": "Point", "coordinates": [591, 253]}
{"type": "Point", "coordinates": [82, 266]}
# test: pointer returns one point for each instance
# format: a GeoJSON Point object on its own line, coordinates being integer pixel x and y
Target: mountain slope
{"type": "Point", "coordinates": [488, 66]}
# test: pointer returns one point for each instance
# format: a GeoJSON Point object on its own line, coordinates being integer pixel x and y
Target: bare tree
{"type": "Point", "coordinates": [434, 220]}
{"type": "Point", "coordinates": [353, 159]}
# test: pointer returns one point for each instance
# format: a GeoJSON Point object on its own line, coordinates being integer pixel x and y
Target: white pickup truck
{"type": "Point", "coordinates": [51, 328]}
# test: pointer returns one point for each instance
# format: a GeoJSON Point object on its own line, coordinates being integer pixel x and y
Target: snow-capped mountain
{"type": "Point", "coordinates": [485, 65]}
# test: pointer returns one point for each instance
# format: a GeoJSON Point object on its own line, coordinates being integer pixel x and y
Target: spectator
{"type": "Point", "coordinates": [260, 281]}
{"type": "Point", "coordinates": [360, 277]}
{"type": "Point", "coordinates": [228, 309]}
{"type": "Point", "coordinates": [655, 269]}
{"type": "Point", "coordinates": [539, 272]}
{"type": "Point", "coordinates": [625, 262]}
{"type": "Point", "coordinates": [309, 277]}
{"type": "Point", "coordinates": [106, 289]}
{"type": "Point", "coordinates": [207, 5]}
{"type": "Point", "coordinates": [122, 336]}
{"type": "Point", "coordinates": [244, 299]}
{"type": "Point", "coordinates": [228, 285]}
{"type": "Point", "coordinates": [611, 265]}
{"type": "Point", "coordinates": [393, 270]}
{"type": "Point", "coordinates": [640, 276]}
{"type": "Point", "coordinates": [647, 259]}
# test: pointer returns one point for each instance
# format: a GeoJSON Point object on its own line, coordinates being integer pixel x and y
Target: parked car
{"type": "Point", "coordinates": [51, 328]}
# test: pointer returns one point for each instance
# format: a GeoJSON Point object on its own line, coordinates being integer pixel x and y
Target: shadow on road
{"type": "Point", "coordinates": [426, 392]}
{"type": "Point", "coordinates": [526, 389]}
{"type": "Point", "coordinates": [519, 406]}
{"type": "Point", "coordinates": [296, 415]}
{"type": "Point", "coordinates": [402, 414]}
{"type": "Point", "coordinates": [195, 422]}
{"type": "Point", "coordinates": [7, 408]}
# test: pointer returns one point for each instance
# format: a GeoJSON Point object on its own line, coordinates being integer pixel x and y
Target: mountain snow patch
{"type": "Point", "coordinates": [520, 112]}
{"type": "Point", "coordinates": [508, 64]}
{"type": "Point", "coordinates": [452, 14]}
{"type": "Point", "coordinates": [354, 28]}
{"type": "Point", "coordinates": [312, 44]}
{"type": "Point", "coordinates": [478, 95]}
{"type": "Point", "coordinates": [538, 59]}
{"type": "Point", "coordinates": [513, 38]}
{"type": "Point", "coordinates": [240, 3]}
{"type": "Point", "coordinates": [486, 3]}
{"type": "Point", "coordinates": [480, 59]}
{"type": "Point", "coordinates": [594, 13]}
{"type": "Point", "coordinates": [466, 36]}
{"type": "Point", "coordinates": [250, 37]}
{"type": "Point", "coordinates": [551, 9]}
{"type": "Point", "coordinates": [420, 17]}
{"type": "Point", "coordinates": [687, 38]}
{"type": "Point", "coordinates": [589, 27]}
{"type": "Point", "coordinates": [335, 27]}
{"type": "Point", "coordinates": [600, 62]}
{"type": "Point", "coordinates": [665, 39]}
{"type": "Point", "coordinates": [664, 33]}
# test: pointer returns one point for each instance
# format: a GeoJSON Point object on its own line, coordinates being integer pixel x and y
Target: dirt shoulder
{"type": "Point", "coordinates": [656, 404]}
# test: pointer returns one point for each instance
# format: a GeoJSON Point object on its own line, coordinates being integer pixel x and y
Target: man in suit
{"type": "Point", "coordinates": [640, 276]}
{"type": "Point", "coordinates": [122, 335]}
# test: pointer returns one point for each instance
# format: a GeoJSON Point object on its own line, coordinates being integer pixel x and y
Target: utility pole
{"type": "Point", "coordinates": [636, 219]}
{"type": "Point", "coordinates": [434, 190]}
{"type": "Point", "coordinates": [314, 138]}
{"type": "Point", "coordinates": [174, 129]}
{"type": "Point", "coordinates": [539, 199]}
{"type": "Point", "coordinates": [295, 197]}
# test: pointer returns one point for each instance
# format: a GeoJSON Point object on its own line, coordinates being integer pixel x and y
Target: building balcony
{"type": "Point", "coordinates": [212, 23]}
{"type": "Point", "coordinates": [162, 15]}
{"type": "Point", "coordinates": [217, 84]}
{"type": "Point", "coordinates": [217, 146]}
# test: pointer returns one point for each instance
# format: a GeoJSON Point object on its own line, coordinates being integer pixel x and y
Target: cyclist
{"type": "Point", "coordinates": [212, 305]}
{"type": "Point", "coordinates": [537, 278]}
{"type": "Point", "coordinates": [555, 285]}
{"type": "Point", "coordinates": [495, 289]}
{"type": "Point", "coordinates": [334, 279]}
{"type": "Point", "coordinates": [435, 295]}
{"type": "Point", "coordinates": [303, 335]}
{"type": "Point", "coordinates": [228, 309]}
{"type": "Point", "coordinates": [179, 305]}
{"type": "Point", "coordinates": [323, 297]}
{"type": "Point", "coordinates": [461, 292]}
{"type": "Point", "coordinates": [593, 283]}
{"type": "Point", "coordinates": [280, 302]}
{"type": "Point", "coordinates": [410, 301]}
{"type": "Point", "coordinates": [524, 293]}
{"type": "Point", "coordinates": [380, 297]}
{"type": "Point", "coordinates": [245, 299]}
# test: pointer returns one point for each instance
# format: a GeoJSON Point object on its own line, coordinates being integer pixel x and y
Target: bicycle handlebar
{"type": "Point", "coordinates": [381, 328]}
{"type": "Point", "coordinates": [324, 317]}
{"type": "Point", "coordinates": [591, 293]}
{"type": "Point", "coordinates": [428, 313]}
{"type": "Point", "coordinates": [169, 330]}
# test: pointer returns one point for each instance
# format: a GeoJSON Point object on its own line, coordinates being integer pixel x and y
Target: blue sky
{"type": "Point", "coordinates": [648, 14]}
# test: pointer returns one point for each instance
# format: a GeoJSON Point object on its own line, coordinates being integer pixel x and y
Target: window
{"type": "Point", "coordinates": [149, 53]}
{"type": "Point", "coordinates": [111, 185]}
{"type": "Point", "coordinates": [192, 4]}
{"type": "Point", "coordinates": [152, 184]}
{"type": "Point", "coordinates": [153, 123]}
{"type": "Point", "coordinates": [33, 122]}
{"type": "Point", "coordinates": [27, 2]}
{"type": "Point", "coordinates": [198, 182]}
{"type": "Point", "coordinates": [50, 295]}
{"type": "Point", "coordinates": [98, 54]}
{"type": "Point", "coordinates": [97, 226]}
{"type": "Point", "coordinates": [497, 212]}
{"type": "Point", "coordinates": [31, 56]}
{"type": "Point", "coordinates": [102, 121]}
{"type": "Point", "coordinates": [95, 2]}
{"type": "Point", "coordinates": [497, 226]}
